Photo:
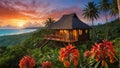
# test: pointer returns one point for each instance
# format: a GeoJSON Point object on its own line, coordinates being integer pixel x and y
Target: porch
{"type": "Point", "coordinates": [62, 38]}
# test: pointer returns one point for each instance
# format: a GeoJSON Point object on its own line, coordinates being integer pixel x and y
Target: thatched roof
{"type": "Point", "coordinates": [70, 21]}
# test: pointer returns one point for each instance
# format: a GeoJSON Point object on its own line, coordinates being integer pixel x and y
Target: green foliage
{"type": "Point", "coordinates": [13, 39]}
{"type": "Point", "coordinates": [10, 56]}
{"type": "Point", "coordinates": [114, 8]}
{"type": "Point", "coordinates": [49, 21]}
{"type": "Point", "coordinates": [113, 30]}
{"type": "Point", "coordinates": [49, 55]}
{"type": "Point", "coordinates": [35, 39]}
{"type": "Point", "coordinates": [104, 5]}
{"type": "Point", "coordinates": [91, 12]}
{"type": "Point", "coordinates": [117, 46]}
{"type": "Point", "coordinates": [2, 49]}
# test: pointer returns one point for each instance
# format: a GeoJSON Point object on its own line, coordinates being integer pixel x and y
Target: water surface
{"type": "Point", "coordinates": [4, 32]}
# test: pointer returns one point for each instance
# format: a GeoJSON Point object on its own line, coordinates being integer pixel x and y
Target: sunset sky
{"type": "Point", "coordinates": [33, 13]}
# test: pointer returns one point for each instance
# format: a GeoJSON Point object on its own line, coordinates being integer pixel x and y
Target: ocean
{"type": "Point", "coordinates": [4, 32]}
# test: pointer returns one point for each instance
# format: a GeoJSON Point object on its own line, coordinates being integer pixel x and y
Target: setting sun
{"type": "Point", "coordinates": [18, 23]}
{"type": "Point", "coordinates": [21, 24]}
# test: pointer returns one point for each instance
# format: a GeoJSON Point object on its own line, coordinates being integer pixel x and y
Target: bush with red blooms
{"type": "Point", "coordinates": [27, 62]}
{"type": "Point", "coordinates": [46, 64]}
{"type": "Point", "coordinates": [101, 52]}
{"type": "Point", "coordinates": [69, 55]}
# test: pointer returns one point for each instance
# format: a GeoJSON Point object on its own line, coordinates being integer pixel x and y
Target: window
{"type": "Point", "coordinates": [80, 32]}
{"type": "Point", "coordinates": [86, 31]}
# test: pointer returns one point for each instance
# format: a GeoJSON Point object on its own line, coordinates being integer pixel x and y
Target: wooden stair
{"type": "Point", "coordinates": [43, 43]}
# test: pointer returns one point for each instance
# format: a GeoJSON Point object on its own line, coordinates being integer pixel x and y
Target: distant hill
{"type": "Point", "coordinates": [33, 27]}
{"type": "Point", "coordinates": [13, 39]}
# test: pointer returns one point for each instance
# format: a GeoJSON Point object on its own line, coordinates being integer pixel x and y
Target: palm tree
{"type": "Point", "coordinates": [118, 1]}
{"type": "Point", "coordinates": [49, 21]}
{"type": "Point", "coordinates": [114, 8]}
{"type": "Point", "coordinates": [105, 6]}
{"type": "Point", "coordinates": [91, 12]}
{"type": "Point", "coordinates": [119, 18]}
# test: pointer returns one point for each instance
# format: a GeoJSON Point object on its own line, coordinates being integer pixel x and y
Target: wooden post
{"type": "Point", "coordinates": [118, 1]}
{"type": "Point", "coordinates": [88, 34]}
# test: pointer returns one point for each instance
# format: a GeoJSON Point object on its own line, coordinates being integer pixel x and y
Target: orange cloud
{"type": "Point", "coordinates": [25, 13]}
{"type": "Point", "coordinates": [6, 13]}
{"type": "Point", "coordinates": [56, 14]}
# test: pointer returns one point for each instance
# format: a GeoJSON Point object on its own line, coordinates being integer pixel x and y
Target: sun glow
{"type": "Point", "coordinates": [21, 24]}
{"type": "Point", "coordinates": [18, 23]}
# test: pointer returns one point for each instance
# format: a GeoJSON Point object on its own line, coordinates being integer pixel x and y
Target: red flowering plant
{"type": "Point", "coordinates": [27, 62]}
{"type": "Point", "coordinates": [46, 64]}
{"type": "Point", "coordinates": [69, 55]}
{"type": "Point", "coordinates": [102, 52]}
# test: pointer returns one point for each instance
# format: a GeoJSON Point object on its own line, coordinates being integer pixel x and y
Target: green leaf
{"type": "Point", "coordinates": [116, 58]}
{"type": "Point", "coordinates": [106, 66]}
{"type": "Point", "coordinates": [96, 65]}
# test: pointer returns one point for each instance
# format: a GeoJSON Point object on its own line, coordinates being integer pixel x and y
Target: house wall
{"type": "Point", "coordinates": [83, 34]}
{"type": "Point", "coordinates": [76, 34]}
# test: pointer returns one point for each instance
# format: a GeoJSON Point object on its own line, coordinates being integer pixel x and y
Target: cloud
{"type": "Point", "coordinates": [6, 13]}
{"type": "Point", "coordinates": [57, 13]}
{"type": "Point", "coordinates": [32, 24]}
{"type": "Point", "coordinates": [8, 26]}
{"type": "Point", "coordinates": [0, 21]}
{"type": "Point", "coordinates": [35, 12]}
{"type": "Point", "coordinates": [29, 9]}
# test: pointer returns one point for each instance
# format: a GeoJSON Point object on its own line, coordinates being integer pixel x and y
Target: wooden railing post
{"type": "Point", "coordinates": [118, 1]}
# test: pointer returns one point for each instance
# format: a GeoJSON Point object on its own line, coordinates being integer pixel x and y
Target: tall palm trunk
{"type": "Point", "coordinates": [118, 1]}
{"type": "Point", "coordinates": [94, 32]}
{"type": "Point", "coordinates": [106, 17]}
{"type": "Point", "coordinates": [93, 29]}
{"type": "Point", "coordinates": [107, 29]}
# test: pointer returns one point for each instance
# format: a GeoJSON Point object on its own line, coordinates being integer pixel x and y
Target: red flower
{"type": "Point", "coordinates": [46, 64]}
{"type": "Point", "coordinates": [103, 63]}
{"type": "Point", "coordinates": [66, 63]}
{"type": "Point", "coordinates": [27, 62]}
{"type": "Point", "coordinates": [69, 55]}
{"type": "Point", "coordinates": [87, 54]}
{"type": "Point", "coordinates": [102, 52]}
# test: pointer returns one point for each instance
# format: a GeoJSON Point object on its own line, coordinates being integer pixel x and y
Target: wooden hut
{"type": "Point", "coordinates": [69, 28]}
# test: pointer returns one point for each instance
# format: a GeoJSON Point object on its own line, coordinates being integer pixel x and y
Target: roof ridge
{"type": "Point", "coordinates": [69, 14]}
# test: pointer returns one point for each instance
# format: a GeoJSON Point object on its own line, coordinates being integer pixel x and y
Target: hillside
{"type": "Point", "coordinates": [13, 39]}
{"type": "Point", "coordinates": [10, 56]}
{"type": "Point", "coordinates": [112, 27]}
